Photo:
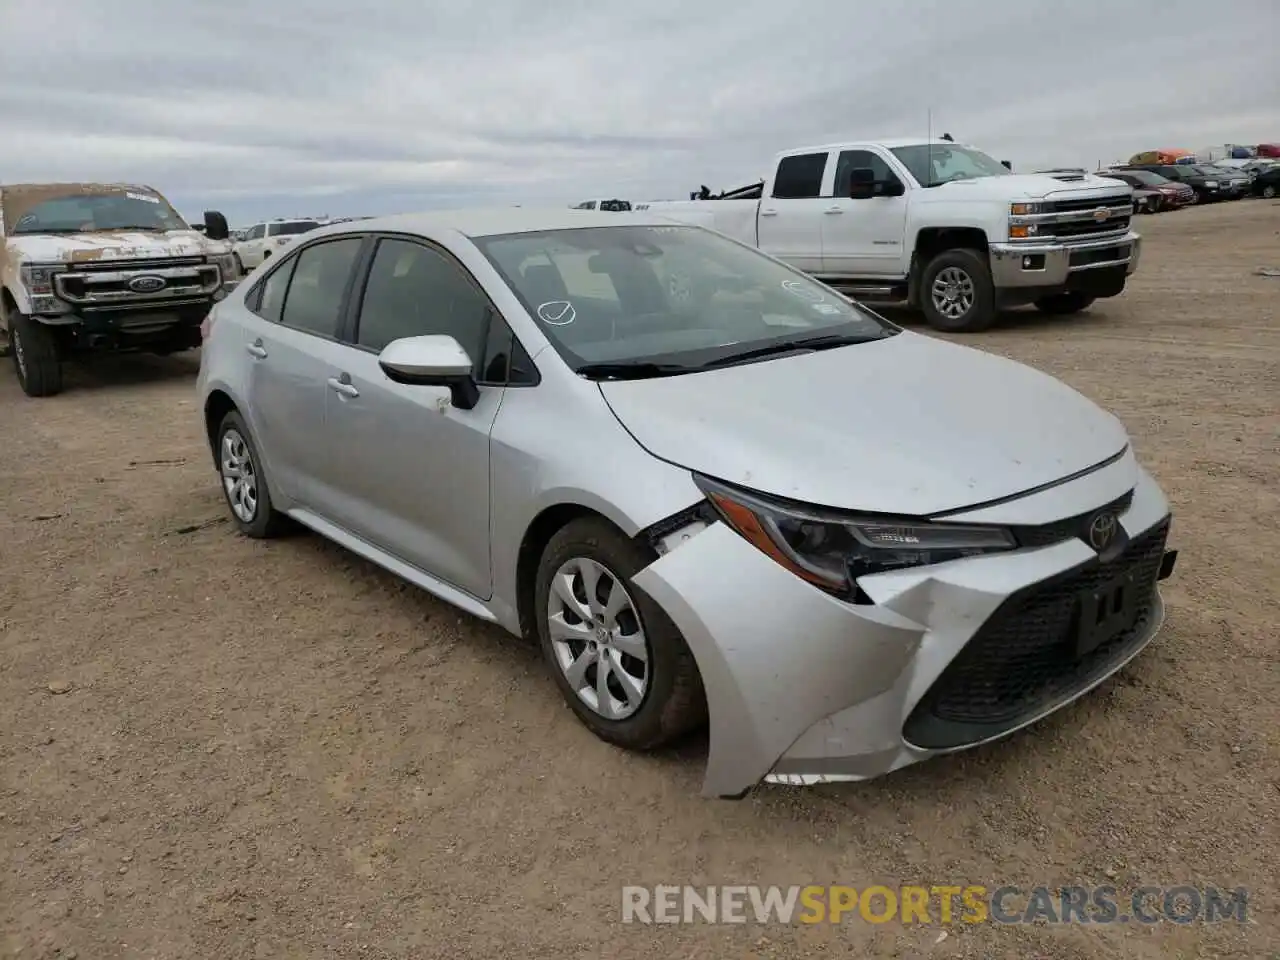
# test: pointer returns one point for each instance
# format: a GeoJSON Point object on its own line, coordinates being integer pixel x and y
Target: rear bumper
{"type": "Point", "coordinates": [1050, 265]}
{"type": "Point", "coordinates": [804, 688]}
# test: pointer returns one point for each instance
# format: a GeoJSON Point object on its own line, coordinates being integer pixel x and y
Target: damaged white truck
{"type": "Point", "coordinates": [91, 267]}
{"type": "Point", "coordinates": [932, 224]}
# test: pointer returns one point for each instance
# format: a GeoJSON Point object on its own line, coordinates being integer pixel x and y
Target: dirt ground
{"type": "Point", "coordinates": [277, 750]}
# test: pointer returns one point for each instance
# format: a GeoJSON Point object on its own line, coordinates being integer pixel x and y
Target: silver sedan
{"type": "Point", "coordinates": [713, 489]}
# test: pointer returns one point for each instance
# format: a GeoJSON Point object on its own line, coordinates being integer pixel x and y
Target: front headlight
{"type": "Point", "coordinates": [1023, 209]}
{"type": "Point", "coordinates": [227, 264]}
{"type": "Point", "coordinates": [1211, 183]}
{"type": "Point", "coordinates": [832, 550]}
{"type": "Point", "coordinates": [39, 279]}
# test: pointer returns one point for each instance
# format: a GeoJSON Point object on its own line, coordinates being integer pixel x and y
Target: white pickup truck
{"type": "Point", "coordinates": [91, 267]}
{"type": "Point", "coordinates": [934, 224]}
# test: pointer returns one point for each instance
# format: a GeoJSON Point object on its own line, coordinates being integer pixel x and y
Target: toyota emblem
{"type": "Point", "coordinates": [1102, 531]}
{"type": "Point", "coordinates": [147, 284]}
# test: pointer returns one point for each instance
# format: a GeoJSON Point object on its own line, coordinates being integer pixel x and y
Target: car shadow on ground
{"type": "Point", "coordinates": [107, 371]}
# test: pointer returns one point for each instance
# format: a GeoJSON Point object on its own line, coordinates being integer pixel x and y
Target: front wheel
{"type": "Point", "coordinates": [35, 357]}
{"type": "Point", "coordinates": [956, 292]}
{"type": "Point", "coordinates": [1062, 304]}
{"type": "Point", "coordinates": [1269, 192]}
{"type": "Point", "coordinates": [619, 661]}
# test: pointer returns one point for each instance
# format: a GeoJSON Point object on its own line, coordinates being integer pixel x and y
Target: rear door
{"type": "Point", "coordinates": [292, 343]}
{"type": "Point", "coordinates": [789, 221]}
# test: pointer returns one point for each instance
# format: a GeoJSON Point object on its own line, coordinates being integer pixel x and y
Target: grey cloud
{"type": "Point", "coordinates": [270, 109]}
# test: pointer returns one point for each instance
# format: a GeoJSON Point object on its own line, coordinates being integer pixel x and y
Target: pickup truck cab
{"type": "Point", "coordinates": [938, 225]}
{"type": "Point", "coordinates": [87, 267]}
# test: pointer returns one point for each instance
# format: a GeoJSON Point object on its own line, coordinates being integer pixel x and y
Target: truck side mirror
{"type": "Point", "coordinates": [862, 183]}
{"type": "Point", "coordinates": [215, 225]}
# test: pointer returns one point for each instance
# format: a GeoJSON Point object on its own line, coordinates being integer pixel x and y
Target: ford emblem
{"type": "Point", "coordinates": [147, 284]}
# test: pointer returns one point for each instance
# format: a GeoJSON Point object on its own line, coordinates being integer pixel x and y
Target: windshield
{"type": "Point", "coordinates": [678, 296]}
{"type": "Point", "coordinates": [290, 228]}
{"type": "Point", "coordinates": [91, 213]}
{"type": "Point", "coordinates": [1207, 171]}
{"type": "Point", "coordinates": [1146, 178]}
{"type": "Point", "coordinates": [935, 164]}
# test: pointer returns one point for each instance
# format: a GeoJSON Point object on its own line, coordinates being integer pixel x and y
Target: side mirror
{"type": "Point", "coordinates": [432, 361]}
{"type": "Point", "coordinates": [862, 183]}
{"type": "Point", "coordinates": [893, 188]}
{"type": "Point", "coordinates": [215, 225]}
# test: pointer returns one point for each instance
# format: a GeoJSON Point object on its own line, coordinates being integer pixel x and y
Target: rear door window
{"type": "Point", "coordinates": [800, 177]}
{"type": "Point", "coordinates": [318, 286]}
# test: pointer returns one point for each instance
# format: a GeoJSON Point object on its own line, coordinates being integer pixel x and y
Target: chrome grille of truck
{"type": "Point", "coordinates": [106, 283]}
{"type": "Point", "coordinates": [1085, 218]}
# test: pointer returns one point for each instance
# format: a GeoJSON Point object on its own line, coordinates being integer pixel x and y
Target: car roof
{"type": "Point", "coordinates": [491, 221]}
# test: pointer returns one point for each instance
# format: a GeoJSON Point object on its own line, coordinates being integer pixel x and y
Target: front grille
{"type": "Point", "coordinates": [1086, 204]}
{"type": "Point", "coordinates": [1090, 228]}
{"type": "Point", "coordinates": [1072, 527]}
{"type": "Point", "coordinates": [1075, 218]}
{"type": "Point", "coordinates": [1022, 660]}
{"type": "Point", "coordinates": [113, 266]}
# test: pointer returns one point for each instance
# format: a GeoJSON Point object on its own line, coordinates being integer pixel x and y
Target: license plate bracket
{"type": "Point", "coordinates": [1105, 612]}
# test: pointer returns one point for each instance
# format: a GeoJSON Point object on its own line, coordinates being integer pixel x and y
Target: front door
{"type": "Point", "coordinates": [864, 237]}
{"type": "Point", "coordinates": [411, 469]}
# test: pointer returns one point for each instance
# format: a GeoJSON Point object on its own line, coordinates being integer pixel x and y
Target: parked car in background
{"type": "Point", "coordinates": [267, 238]}
{"type": "Point", "coordinates": [1170, 193]}
{"type": "Point", "coordinates": [934, 224]}
{"type": "Point", "coordinates": [1267, 183]}
{"type": "Point", "coordinates": [839, 595]}
{"type": "Point", "coordinates": [1234, 182]}
{"type": "Point", "coordinates": [1208, 187]}
{"type": "Point", "coordinates": [87, 268]}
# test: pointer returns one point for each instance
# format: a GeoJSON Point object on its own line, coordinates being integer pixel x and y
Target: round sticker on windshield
{"type": "Point", "coordinates": [803, 291]}
{"type": "Point", "coordinates": [558, 313]}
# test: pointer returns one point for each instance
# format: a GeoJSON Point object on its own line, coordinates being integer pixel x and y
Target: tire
{"type": "Point", "coordinates": [1063, 304]}
{"type": "Point", "coordinates": [1268, 192]}
{"type": "Point", "coordinates": [959, 266]}
{"type": "Point", "coordinates": [235, 448]}
{"type": "Point", "coordinates": [35, 357]}
{"type": "Point", "coordinates": [671, 700]}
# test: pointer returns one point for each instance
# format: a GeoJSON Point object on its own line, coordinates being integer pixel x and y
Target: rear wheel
{"type": "Point", "coordinates": [619, 661]}
{"type": "Point", "coordinates": [1063, 304]}
{"type": "Point", "coordinates": [243, 482]}
{"type": "Point", "coordinates": [956, 292]}
{"type": "Point", "coordinates": [35, 356]}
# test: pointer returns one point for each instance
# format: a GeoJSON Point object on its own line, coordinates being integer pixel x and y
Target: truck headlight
{"type": "Point", "coordinates": [227, 264]}
{"type": "Point", "coordinates": [832, 550]}
{"type": "Point", "coordinates": [1023, 209]}
{"type": "Point", "coordinates": [38, 278]}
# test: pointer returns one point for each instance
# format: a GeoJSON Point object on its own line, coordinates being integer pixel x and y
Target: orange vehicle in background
{"type": "Point", "coordinates": [1163, 156]}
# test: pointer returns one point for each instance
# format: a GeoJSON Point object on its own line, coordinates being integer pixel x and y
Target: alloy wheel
{"type": "Point", "coordinates": [239, 478]}
{"type": "Point", "coordinates": [953, 293]}
{"type": "Point", "coordinates": [597, 638]}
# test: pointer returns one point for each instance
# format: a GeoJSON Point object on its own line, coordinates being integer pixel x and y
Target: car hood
{"type": "Point", "coordinates": [109, 245]}
{"type": "Point", "coordinates": [908, 425]}
{"type": "Point", "coordinates": [1024, 186]}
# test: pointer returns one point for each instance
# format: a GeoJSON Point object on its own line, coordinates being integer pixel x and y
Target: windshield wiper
{"type": "Point", "coordinates": [136, 226]}
{"type": "Point", "coordinates": [807, 344]}
{"type": "Point", "coordinates": [636, 370]}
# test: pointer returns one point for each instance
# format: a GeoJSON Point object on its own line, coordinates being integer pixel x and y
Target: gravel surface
{"type": "Point", "coordinates": [217, 748]}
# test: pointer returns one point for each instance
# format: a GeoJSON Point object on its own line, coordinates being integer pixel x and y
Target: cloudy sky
{"type": "Point", "coordinates": [282, 107]}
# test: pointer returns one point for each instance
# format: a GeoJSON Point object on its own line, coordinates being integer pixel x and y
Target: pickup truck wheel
{"type": "Point", "coordinates": [35, 357]}
{"type": "Point", "coordinates": [956, 292]}
{"type": "Point", "coordinates": [1062, 304]}
{"type": "Point", "coordinates": [1269, 192]}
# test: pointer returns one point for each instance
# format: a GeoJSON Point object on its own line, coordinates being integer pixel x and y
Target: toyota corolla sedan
{"type": "Point", "coordinates": [714, 490]}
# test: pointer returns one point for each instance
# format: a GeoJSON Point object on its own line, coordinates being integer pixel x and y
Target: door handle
{"type": "Point", "coordinates": [344, 387]}
{"type": "Point", "coordinates": [769, 213]}
{"type": "Point", "coordinates": [834, 210]}
{"type": "Point", "coordinates": [256, 349]}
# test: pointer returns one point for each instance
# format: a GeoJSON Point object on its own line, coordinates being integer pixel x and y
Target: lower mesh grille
{"type": "Point", "coordinates": [1023, 659]}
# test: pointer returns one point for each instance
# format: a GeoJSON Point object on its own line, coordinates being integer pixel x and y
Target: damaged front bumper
{"type": "Point", "coordinates": [803, 688]}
